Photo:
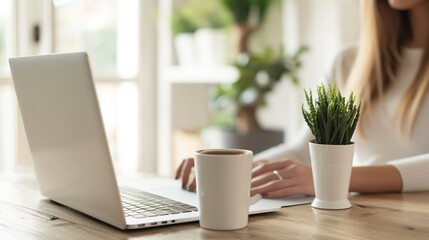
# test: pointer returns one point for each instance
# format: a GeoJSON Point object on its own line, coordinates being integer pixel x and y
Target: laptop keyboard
{"type": "Point", "coordinates": [140, 204]}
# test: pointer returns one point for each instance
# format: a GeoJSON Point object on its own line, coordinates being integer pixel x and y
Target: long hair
{"type": "Point", "coordinates": [384, 33]}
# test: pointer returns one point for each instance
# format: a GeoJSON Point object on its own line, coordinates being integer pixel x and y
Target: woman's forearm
{"type": "Point", "coordinates": [372, 179]}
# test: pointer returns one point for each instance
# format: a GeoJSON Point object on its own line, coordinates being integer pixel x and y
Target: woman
{"type": "Point", "coordinates": [390, 73]}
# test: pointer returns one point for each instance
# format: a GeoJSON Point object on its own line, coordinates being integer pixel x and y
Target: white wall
{"type": "Point", "coordinates": [190, 106]}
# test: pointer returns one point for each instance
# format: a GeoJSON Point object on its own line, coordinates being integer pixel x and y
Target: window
{"type": "Point", "coordinates": [97, 27]}
{"type": "Point", "coordinates": [7, 105]}
{"type": "Point", "coordinates": [88, 25]}
{"type": "Point", "coordinates": [5, 16]}
{"type": "Point", "coordinates": [109, 31]}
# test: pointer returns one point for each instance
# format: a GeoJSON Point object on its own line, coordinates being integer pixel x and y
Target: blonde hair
{"type": "Point", "coordinates": [384, 33]}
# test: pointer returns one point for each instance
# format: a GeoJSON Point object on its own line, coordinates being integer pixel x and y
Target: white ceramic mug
{"type": "Point", "coordinates": [223, 188]}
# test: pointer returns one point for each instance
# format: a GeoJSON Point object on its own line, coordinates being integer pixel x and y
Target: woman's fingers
{"type": "Point", "coordinates": [259, 162]}
{"type": "Point", "coordinates": [179, 169]}
{"type": "Point", "coordinates": [265, 178]}
{"type": "Point", "coordinates": [184, 171]}
{"type": "Point", "coordinates": [192, 187]}
{"type": "Point", "coordinates": [272, 186]}
{"type": "Point", "coordinates": [282, 179]}
{"type": "Point", "coordinates": [260, 169]}
{"type": "Point", "coordinates": [284, 192]}
{"type": "Point", "coordinates": [188, 164]}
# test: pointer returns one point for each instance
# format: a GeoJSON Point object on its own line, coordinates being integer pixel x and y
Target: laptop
{"type": "Point", "coordinates": [59, 107]}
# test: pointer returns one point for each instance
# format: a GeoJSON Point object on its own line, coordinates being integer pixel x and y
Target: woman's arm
{"type": "Point", "coordinates": [375, 179]}
{"type": "Point", "coordinates": [296, 179]}
{"type": "Point", "coordinates": [408, 174]}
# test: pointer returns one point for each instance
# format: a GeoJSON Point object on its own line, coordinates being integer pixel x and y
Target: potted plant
{"type": "Point", "coordinates": [332, 119]}
{"type": "Point", "coordinates": [199, 29]}
{"type": "Point", "coordinates": [236, 105]}
{"type": "Point", "coordinates": [248, 16]}
{"type": "Point", "coordinates": [258, 76]}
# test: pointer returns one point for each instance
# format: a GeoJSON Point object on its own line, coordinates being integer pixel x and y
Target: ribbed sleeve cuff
{"type": "Point", "coordinates": [414, 172]}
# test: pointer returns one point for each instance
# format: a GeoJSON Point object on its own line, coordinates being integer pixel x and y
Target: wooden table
{"type": "Point", "coordinates": [25, 214]}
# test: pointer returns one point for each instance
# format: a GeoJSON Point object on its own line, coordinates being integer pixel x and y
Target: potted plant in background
{"type": "Point", "coordinates": [332, 119]}
{"type": "Point", "coordinates": [200, 29]}
{"type": "Point", "coordinates": [248, 16]}
{"type": "Point", "coordinates": [236, 105]}
{"type": "Point", "coordinates": [259, 74]}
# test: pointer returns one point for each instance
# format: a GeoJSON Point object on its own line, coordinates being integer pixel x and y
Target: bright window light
{"type": "Point", "coordinates": [127, 38]}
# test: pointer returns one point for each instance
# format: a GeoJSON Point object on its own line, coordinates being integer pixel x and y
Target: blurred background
{"type": "Point", "coordinates": [174, 76]}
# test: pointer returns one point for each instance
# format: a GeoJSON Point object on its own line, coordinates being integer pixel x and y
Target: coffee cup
{"type": "Point", "coordinates": [223, 187]}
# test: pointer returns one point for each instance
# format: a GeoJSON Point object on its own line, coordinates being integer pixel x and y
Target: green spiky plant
{"type": "Point", "coordinates": [331, 118]}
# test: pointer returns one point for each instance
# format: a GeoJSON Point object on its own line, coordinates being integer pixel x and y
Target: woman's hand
{"type": "Point", "coordinates": [297, 178]}
{"type": "Point", "coordinates": [184, 172]}
{"type": "Point", "coordinates": [281, 179]}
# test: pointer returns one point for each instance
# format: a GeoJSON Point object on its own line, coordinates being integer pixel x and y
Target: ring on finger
{"type": "Point", "coordinates": [275, 172]}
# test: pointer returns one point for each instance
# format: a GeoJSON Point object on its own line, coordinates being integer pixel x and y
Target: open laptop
{"type": "Point", "coordinates": [64, 127]}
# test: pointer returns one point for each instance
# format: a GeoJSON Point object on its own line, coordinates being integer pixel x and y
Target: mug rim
{"type": "Point", "coordinates": [242, 151]}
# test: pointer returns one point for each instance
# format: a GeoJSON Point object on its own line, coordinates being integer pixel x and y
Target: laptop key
{"type": "Point", "coordinates": [149, 214]}
{"type": "Point", "coordinates": [172, 211]}
{"type": "Point", "coordinates": [160, 213]}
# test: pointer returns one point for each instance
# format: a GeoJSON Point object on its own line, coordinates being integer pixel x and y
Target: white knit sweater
{"type": "Point", "coordinates": [383, 142]}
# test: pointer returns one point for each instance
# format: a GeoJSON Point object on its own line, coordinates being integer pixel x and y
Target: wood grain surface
{"type": "Point", "coordinates": [25, 214]}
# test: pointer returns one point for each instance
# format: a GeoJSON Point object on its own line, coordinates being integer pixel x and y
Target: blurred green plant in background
{"type": "Point", "coordinates": [236, 104]}
{"type": "Point", "coordinates": [259, 74]}
{"type": "Point", "coordinates": [197, 14]}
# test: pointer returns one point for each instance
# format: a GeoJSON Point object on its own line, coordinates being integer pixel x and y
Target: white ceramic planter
{"type": "Point", "coordinates": [331, 167]}
{"type": "Point", "coordinates": [210, 45]}
{"type": "Point", "coordinates": [185, 50]}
